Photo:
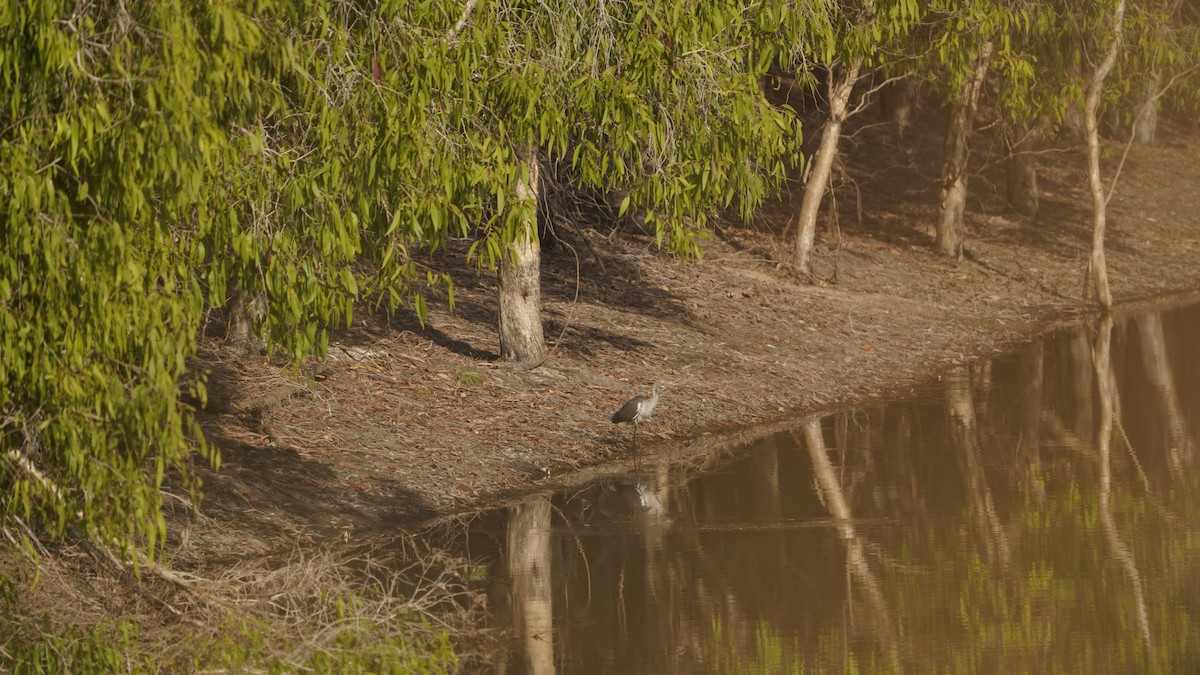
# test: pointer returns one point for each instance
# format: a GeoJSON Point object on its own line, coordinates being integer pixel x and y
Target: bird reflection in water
{"type": "Point", "coordinates": [613, 500]}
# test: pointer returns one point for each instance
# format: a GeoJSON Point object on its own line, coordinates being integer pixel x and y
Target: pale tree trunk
{"type": "Point", "coordinates": [1021, 169]}
{"type": "Point", "coordinates": [1145, 124]}
{"type": "Point", "coordinates": [521, 337]}
{"type": "Point", "coordinates": [951, 228]}
{"type": "Point", "coordinates": [241, 313]}
{"type": "Point", "coordinates": [529, 572]}
{"type": "Point", "coordinates": [899, 101]}
{"type": "Point", "coordinates": [841, 84]}
{"type": "Point", "coordinates": [1098, 265]}
{"type": "Point", "coordinates": [1072, 123]}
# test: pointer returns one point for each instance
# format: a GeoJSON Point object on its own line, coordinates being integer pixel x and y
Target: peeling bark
{"type": "Point", "coordinates": [520, 314]}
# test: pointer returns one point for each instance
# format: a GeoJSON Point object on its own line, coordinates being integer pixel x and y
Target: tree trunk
{"type": "Point", "coordinates": [1112, 125]}
{"type": "Point", "coordinates": [964, 435]}
{"type": "Point", "coordinates": [521, 337]}
{"type": "Point", "coordinates": [240, 315]}
{"type": "Point", "coordinates": [1072, 123]}
{"type": "Point", "coordinates": [951, 229]}
{"type": "Point", "coordinates": [899, 102]}
{"type": "Point", "coordinates": [1098, 265]}
{"type": "Point", "coordinates": [1022, 169]}
{"type": "Point", "coordinates": [1145, 124]}
{"type": "Point", "coordinates": [841, 84]}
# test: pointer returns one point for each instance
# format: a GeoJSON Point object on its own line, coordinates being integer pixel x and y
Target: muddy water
{"type": "Point", "coordinates": [1038, 513]}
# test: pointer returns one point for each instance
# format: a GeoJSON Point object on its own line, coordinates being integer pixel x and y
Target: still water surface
{"type": "Point", "coordinates": [1018, 515]}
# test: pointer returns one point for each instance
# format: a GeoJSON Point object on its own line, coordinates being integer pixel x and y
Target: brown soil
{"type": "Point", "coordinates": [403, 422]}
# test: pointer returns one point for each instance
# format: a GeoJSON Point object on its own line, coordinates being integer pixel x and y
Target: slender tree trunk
{"type": "Point", "coordinates": [1072, 123]}
{"type": "Point", "coordinates": [951, 228]}
{"type": "Point", "coordinates": [1022, 169]}
{"type": "Point", "coordinates": [521, 337]}
{"type": "Point", "coordinates": [841, 84]}
{"type": "Point", "coordinates": [1098, 265]}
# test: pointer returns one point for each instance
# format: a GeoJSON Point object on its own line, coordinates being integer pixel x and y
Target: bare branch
{"type": "Point", "coordinates": [462, 20]}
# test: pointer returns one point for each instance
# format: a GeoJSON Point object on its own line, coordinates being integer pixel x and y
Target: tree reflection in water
{"type": "Point", "coordinates": [1038, 513]}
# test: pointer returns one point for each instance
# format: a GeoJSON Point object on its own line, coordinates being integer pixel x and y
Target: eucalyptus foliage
{"type": "Point", "coordinates": [659, 101]}
{"type": "Point", "coordinates": [107, 141]}
{"type": "Point", "coordinates": [157, 156]}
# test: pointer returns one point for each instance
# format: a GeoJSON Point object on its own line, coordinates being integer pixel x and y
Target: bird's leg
{"type": "Point", "coordinates": [637, 450]}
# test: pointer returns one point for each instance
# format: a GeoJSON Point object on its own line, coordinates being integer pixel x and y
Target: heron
{"type": "Point", "coordinates": [637, 409]}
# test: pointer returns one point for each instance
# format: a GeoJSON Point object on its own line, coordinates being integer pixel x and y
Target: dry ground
{"type": "Point", "coordinates": [403, 422]}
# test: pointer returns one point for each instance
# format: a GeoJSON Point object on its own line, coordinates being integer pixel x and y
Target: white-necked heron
{"type": "Point", "coordinates": [637, 409]}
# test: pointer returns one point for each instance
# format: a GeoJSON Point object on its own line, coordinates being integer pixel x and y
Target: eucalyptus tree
{"type": "Point", "coordinates": [1141, 49]}
{"type": "Point", "coordinates": [111, 126]}
{"type": "Point", "coordinates": [155, 158]}
{"type": "Point", "coordinates": [159, 158]}
{"type": "Point", "coordinates": [967, 41]}
{"type": "Point", "coordinates": [857, 37]}
{"type": "Point", "coordinates": [1151, 27]}
{"type": "Point", "coordinates": [1032, 83]}
{"type": "Point", "coordinates": [658, 101]}
{"type": "Point", "coordinates": [1109, 32]}
{"type": "Point", "coordinates": [964, 49]}
{"type": "Point", "coordinates": [1160, 62]}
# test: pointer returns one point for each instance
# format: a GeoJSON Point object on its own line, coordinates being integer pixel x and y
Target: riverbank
{"type": "Point", "coordinates": [404, 422]}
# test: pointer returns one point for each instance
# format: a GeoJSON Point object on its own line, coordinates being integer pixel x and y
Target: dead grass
{"type": "Point", "coordinates": [329, 601]}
